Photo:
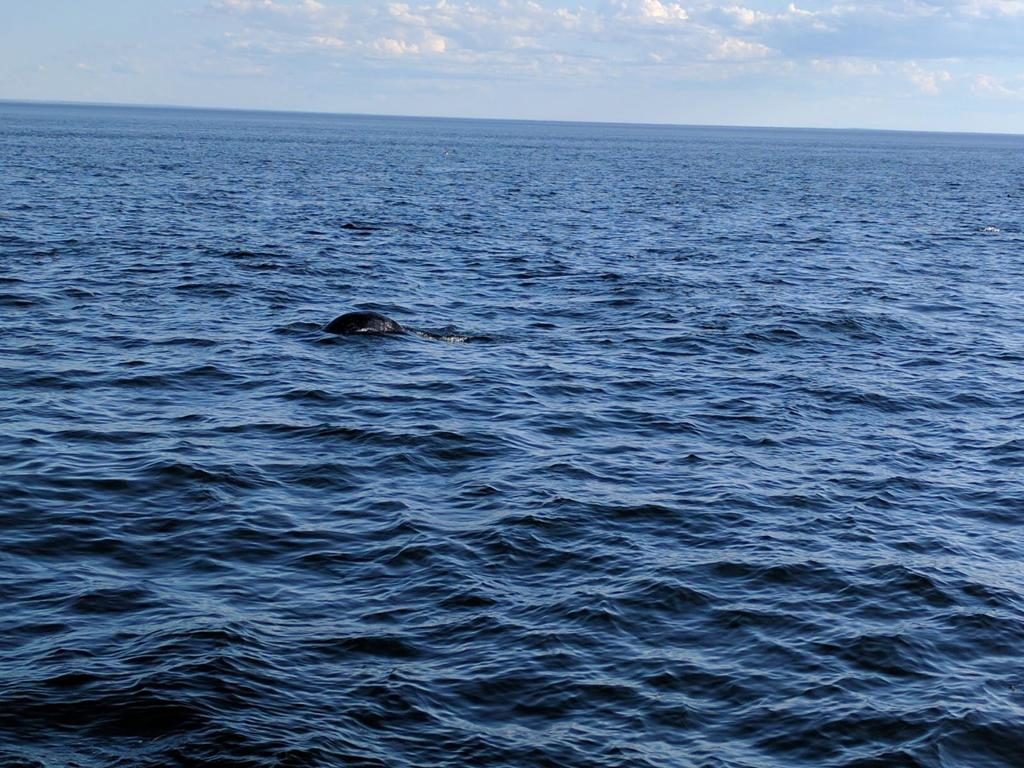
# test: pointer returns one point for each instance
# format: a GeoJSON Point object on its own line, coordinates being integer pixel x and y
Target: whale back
{"type": "Point", "coordinates": [363, 322]}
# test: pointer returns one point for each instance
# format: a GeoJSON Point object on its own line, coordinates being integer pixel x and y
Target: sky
{"type": "Point", "coordinates": [945, 65]}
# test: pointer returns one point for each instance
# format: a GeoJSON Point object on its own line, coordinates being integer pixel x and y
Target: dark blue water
{"type": "Point", "coordinates": [708, 452]}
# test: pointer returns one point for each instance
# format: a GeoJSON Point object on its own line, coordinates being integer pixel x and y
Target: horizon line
{"type": "Point", "coordinates": [327, 113]}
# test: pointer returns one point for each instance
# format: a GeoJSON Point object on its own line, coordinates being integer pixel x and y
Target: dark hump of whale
{"type": "Point", "coordinates": [363, 322]}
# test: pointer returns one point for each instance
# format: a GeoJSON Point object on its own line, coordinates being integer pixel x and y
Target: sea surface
{"type": "Point", "coordinates": [705, 447]}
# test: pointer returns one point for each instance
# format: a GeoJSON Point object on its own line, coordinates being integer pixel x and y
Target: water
{"type": "Point", "coordinates": [709, 454]}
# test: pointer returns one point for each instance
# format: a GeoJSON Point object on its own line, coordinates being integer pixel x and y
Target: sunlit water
{"type": "Point", "coordinates": [708, 451]}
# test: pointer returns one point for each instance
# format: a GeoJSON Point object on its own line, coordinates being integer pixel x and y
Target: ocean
{"type": "Point", "coordinates": [704, 447]}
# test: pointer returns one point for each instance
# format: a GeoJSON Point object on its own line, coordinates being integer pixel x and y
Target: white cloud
{"type": "Point", "coordinates": [305, 7]}
{"type": "Point", "coordinates": [424, 44]}
{"type": "Point", "coordinates": [820, 21]}
{"type": "Point", "coordinates": [328, 42]}
{"type": "Point", "coordinates": [569, 19]}
{"type": "Point", "coordinates": [401, 13]}
{"type": "Point", "coordinates": [433, 43]}
{"type": "Point", "coordinates": [389, 46]}
{"type": "Point", "coordinates": [851, 67]}
{"type": "Point", "coordinates": [911, 40]}
{"type": "Point", "coordinates": [661, 12]}
{"type": "Point", "coordinates": [927, 81]}
{"type": "Point", "coordinates": [988, 8]}
{"type": "Point", "coordinates": [745, 17]}
{"type": "Point", "coordinates": [989, 85]}
{"type": "Point", "coordinates": [733, 49]}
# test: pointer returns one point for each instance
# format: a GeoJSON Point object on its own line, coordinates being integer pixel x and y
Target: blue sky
{"type": "Point", "coordinates": [912, 64]}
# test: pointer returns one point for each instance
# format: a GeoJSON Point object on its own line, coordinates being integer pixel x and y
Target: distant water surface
{"type": "Point", "coordinates": [710, 454]}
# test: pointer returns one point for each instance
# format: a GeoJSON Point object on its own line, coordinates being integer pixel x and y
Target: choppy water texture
{"type": "Point", "coordinates": [725, 471]}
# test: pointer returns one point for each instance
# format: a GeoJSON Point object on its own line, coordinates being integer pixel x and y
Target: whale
{"type": "Point", "coordinates": [363, 322]}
